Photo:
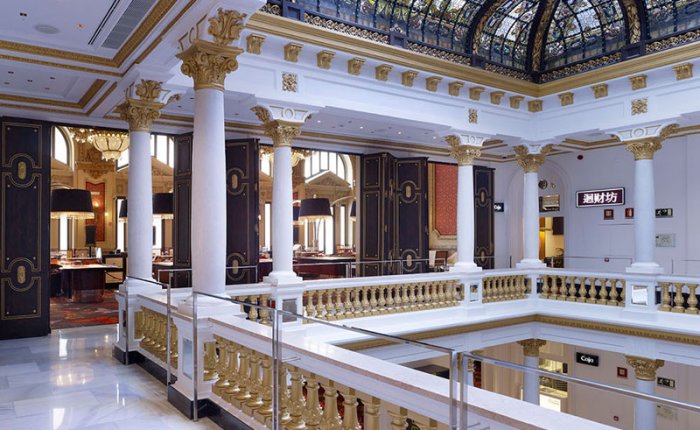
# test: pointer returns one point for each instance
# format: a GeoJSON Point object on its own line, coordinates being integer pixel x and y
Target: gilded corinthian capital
{"type": "Point", "coordinates": [644, 368]}
{"type": "Point", "coordinates": [464, 154]}
{"type": "Point", "coordinates": [142, 110]}
{"type": "Point", "coordinates": [531, 347]}
{"type": "Point", "coordinates": [530, 162]}
{"type": "Point", "coordinates": [282, 131]}
{"type": "Point", "coordinates": [208, 63]}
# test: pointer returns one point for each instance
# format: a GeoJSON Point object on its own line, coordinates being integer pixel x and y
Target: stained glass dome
{"type": "Point", "coordinates": [537, 40]}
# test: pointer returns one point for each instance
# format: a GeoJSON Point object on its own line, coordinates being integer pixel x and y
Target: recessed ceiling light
{"type": "Point", "coordinates": [6, 83]}
{"type": "Point", "coordinates": [399, 132]}
{"type": "Point", "coordinates": [10, 72]}
{"type": "Point", "coordinates": [80, 26]}
{"type": "Point", "coordinates": [30, 80]}
{"type": "Point", "coordinates": [47, 88]}
{"type": "Point", "coordinates": [318, 121]}
{"type": "Point", "coordinates": [434, 137]}
{"type": "Point", "coordinates": [52, 78]}
{"type": "Point", "coordinates": [180, 106]}
{"type": "Point", "coordinates": [361, 127]}
{"type": "Point", "coordinates": [23, 14]}
{"type": "Point", "coordinates": [46, 29]}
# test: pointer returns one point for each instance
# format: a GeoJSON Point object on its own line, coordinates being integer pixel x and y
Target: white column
{"type": "Point", "coordinates": [282, 218]}
{"type": "Point", "coordinates": [140, 206]}
{"type": "Point", "coordinates": [531, 381]}
{"type": "Point", "coordinates": [531, 221]}
{"type": "Point", "coordinates": [209, 193]}
{"type": "Point", "coordinates": [645, 382]}
{"type": "Point", "coordinates": [644, 206]}
{"type": "Point", "coordinates": [465, 155]}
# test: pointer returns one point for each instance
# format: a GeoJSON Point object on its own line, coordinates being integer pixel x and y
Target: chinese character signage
{"type": "Point", "coordinates": [607, 197]}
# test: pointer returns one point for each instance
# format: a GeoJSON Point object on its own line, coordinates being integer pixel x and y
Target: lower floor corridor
{"type": "Point", "coordinates": [69, 380]}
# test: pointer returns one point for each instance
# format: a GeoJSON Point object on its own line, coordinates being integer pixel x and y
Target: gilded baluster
{"type": "Point", "coordinates": [339, 304]}
{"type": "Point", "coordinates": [330, 307]}
{"type": "Point", "coordinates": [603, 292]}
{"type": "Point", "coordinates": [373, 302]}
{"type": "Point", "coordinates": [357, 303]}
{"type": "Point", "coordinates": [441, 294]}
{"type": "Point", "coordinates": [486, 290]}
{"type": "Point", "coordinates": [253, 313]}
{"type": "Point", "coordinates": [264, 313]}
{"type": "Point", "coordinates": [399, 420]}
{"type": "Point", "coordinates": [497, 292]}
{"type": "Point", "coordinates": [390, 299]}
{"type": "Point", "coordinates": [571, 294]}
{"type": "Point", "coordinates": [331, 418]}
{"type": "Point", "coordinates": [519, 286]}
{"type": "Point", "coordinates": [592, 293]}
{"type": "Point", "coordinates": [310, 307]}
{"type": "Point", "coordinates": [449, 294]}
{"type": "Point", "coordinates": [622, 296]}
{"type": "Point", "coordinates": [405, 299]}
{"type": "Point", "coordinates": [583, 290]}
{"type": "Point", "coordinates": [512, 292]}
{"type": "Point", "coordinates": [174, 355]}
{"type": "Point", "coordinates": [545, 287]}
{"type": "Point", "coordinates": [255, 400]}
{"type": "Point", "coordinates": [563, 290]}
{"type": "Point", "coordinates": [138, 324]}
{"type": "Point", "coordinates": [692, 300]}
{"type": "Point", "coordinates": [412, 297]}
{"type": "Point", "coordinates": [233, 374]}
{"type": "Point", "coordinates": [678, 299]}
{"type": "Point", "coordinates": [210, 361]}
{"type": "Point", "coordinates": [297, 404]}
{"type": "Point", "coordinates": [313, 413]}
{"type": "Point", "coordinates": [350, 421]}
{"type": "Point", "coordinates": [243, 376]}
{"type": "Point", "coordinates": [366, 308]}
{"type": "Point", "coordinates": [347, 306]}
{"type": "Point", "coordinates": [265, 410]}
{"type": "Point", "coordinates": [221, 366]}
{"type": "Point", "coordinates": [613, 293]}
{"type": "Point", "coordinates": [371, 417]}
{"type": "Point", "coordinates": [665, 297]}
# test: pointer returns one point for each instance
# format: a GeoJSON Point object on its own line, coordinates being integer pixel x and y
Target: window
{"type": "Point", "coordinates": [343, 232]}
{"type": "Point", "coordinates": [63, 234]}
{"type": "Point", "coordinates": [60, 150]}
{"type": "Point", "coordinates": [266, 163]}
{"type": "Point", "coordinates": [321, 162]}
{"type": "Point", "coordinates": [121, 226]}
{"type": "Point", "coordinates": [268, 225]}
{"type": "Point", "coordinates": [162, 149]}
{"type": "Point", "coordinates": [123, 160]}
{"type": "Point", "coordinates": [157, 235]}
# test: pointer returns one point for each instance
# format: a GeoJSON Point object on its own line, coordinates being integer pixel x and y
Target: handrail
{"type": "Point", "coordinates": [586, 382]}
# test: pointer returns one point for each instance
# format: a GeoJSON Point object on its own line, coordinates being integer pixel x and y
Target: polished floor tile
{"type": "Point", "coordinates": [69, 380]}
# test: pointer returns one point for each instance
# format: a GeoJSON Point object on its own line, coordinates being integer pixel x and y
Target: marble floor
{"type": "Point", "coordinates": [69, 380]}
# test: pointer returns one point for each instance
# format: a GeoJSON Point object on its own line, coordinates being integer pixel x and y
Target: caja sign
{"type": "Point", "coordinates": [587, 359]}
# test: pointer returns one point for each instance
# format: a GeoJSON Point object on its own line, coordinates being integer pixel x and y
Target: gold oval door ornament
{"type": "Point", "coordinates": [21, 275]}
{"type": "Point", "coordinates": [409, 191]}
{"type": "Point", "coordinates": [235, 267]}
{"type": "Point", "coordinates": [482, 197]}
{"type": "Point", "coordinates": [22, 170]}
{"type": "Point", "coordinates": [409, 260]}
{"type": "Point", "coordinates": [234, 182]}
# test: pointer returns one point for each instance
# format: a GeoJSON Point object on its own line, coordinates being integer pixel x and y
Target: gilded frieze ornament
{"type": "Point", "coordinates": [639, 106]}
{"type": "Point", "coordinates": [475, 93]}
{"type": "Point", "coordinates": [531, 347]}
{"type": "Point", "coordinates": [566, 99]}
{"type": "Point", "coordinates": [638, 82]}
{"type": "Point", "coordinates": [515, 101]}
{"type": "Point", "coordinates": [600, 90]}
{"type": "Point", "coordinates": [530, 163]}
{"type": "Point", "coordinates": [292, 51]}
{"type": "Point", "coordinates": [453, 88]}
{"type": "Point", "coordinates": [381, 72]}
{"type": "Point", "coordinates": [254, 43]}
{"type": "Point", "coordinates": [464, 154]}
{"type": "Point", "coordinates": [408, 77]}
{"type": "Point", "coordinates": [644, 149]}
{"type": "Point", "coordinates": [644, 368]}
{"type": "Point", "coordinates": [148, 90]}
{"type": "Point", "coordinates": [355, 66]}
{"type": "Point", "coordinates": [634, 27]}
{"type": "Point", "coordinates": [683, 71]}
{"type": "Point", "coordinates": [226, 26]}
{"type": "Point", "coordinates": [289, 82]}
{"type": "Point", "coordinates": [534, 106]}
{"type": "Point", "coordinates": [473, 116]}
{"type": "Point", "coordinates": [496, 97]}
{"type": "Point", "coordinates": [431, 83]}
{"type": "Point", "coordinates": [324, 59]}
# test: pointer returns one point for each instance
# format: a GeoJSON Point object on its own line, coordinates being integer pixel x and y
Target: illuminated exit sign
{"type": "Point", "coordinates": [606, 197]}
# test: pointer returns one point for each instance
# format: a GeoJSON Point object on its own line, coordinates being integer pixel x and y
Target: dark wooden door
{"type": "Point", "coordinates": [377, 194]}
{"type": "Point", "coordinates": [182, 209]}
{"type": "Point", "coordinates": [483, 216]}
{"type": "Point", "coordinates": [242, 165]}
{"type": "Point", "coordinates": [411, 214]}
{"type": "Point", "coordinates": [25, 237]}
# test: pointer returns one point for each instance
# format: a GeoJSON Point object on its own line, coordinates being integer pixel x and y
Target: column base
{"type": "Point", "coordinates": [133, 286]}
{"type": "Point", "coordinates": [648, 268]}
{"type": "Point", "coordinates": [530, 263]}
{"type": "Point", "coordinates": [465, 266]}
{"type": "Point", "coordinates": [207, 306]}
{"type": "Point", "coordinates": [279, 278]}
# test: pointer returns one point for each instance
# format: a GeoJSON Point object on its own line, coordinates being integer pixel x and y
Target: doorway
{"type": "Point", "coordinates": [552, 241]}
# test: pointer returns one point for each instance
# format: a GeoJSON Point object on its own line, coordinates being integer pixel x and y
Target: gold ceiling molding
{"type": "Point", "coordinates": [159, 38]}
{"type": "Point", "coordinates": [80, 104]}
{"type": "Point", "coordinates": [42, 109]}
{"type": "Point", "coordinates": [59, 65]}
{"type": "Point", "coordinates": [102, 98]}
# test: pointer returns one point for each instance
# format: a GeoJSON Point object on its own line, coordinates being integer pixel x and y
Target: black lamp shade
{"type": "Point", "coordinates": [71, 203]}
{"type": "Point", "coordinates": [295, 213]}
{"type": "Point", "coordinates": [123, 209]}
{"type": "Point", "coordinates": [90, 233]}
{"type": "Point", "coordinates": [353, 210]}
{"type": "Point", "coordinates": [315, 208]}
{"type": "Point", "coordinates": [163, 205]}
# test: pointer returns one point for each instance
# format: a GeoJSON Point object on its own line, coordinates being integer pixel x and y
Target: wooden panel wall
{"type": "Point", "coordinates": [377, 206]}
{"type": "Point", "coordinates": [25, 170]}
{"type": "Point", "coordinates": [182, 208]}
{"type": "Point", "coordinates": [483, 216]}
{"type": "Point", "coordinates": [411, 213]}
{"type": "Point", "coordinates": [242, 209]}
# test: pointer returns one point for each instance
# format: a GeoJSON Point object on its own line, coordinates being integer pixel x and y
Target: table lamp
{"type": "Point", "coordinates": [315, 210]}
{"type": "Point", "coordinates": [73, 204]}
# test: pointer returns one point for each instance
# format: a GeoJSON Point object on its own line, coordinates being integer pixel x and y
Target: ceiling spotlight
{"type": "Point", "coordinates": [361, 128]}
{"type": "Point", "coordinates": [399, 132]}
{"type": "Point", "coordinates": [318, 121]}
{"type": "Point", "coordinates": [23, 14]}
{"type": "Point", "coordinates": [46, 29]}
{"type": "Point", "coordinates": [52, 78]}
{"type": "Point", "coordinates": [80, 26]}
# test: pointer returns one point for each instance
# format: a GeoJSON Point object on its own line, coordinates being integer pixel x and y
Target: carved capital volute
{"type": "Point", "coordinates": [530, 162]}
{"type": "Point", "coordinates": [464, 154]}
{"type": "Point", "coordinates": [281, 131]}
{"type": "Point", "coordinates": [144, 101]}
{"type": "Point", "coordinates": [531, 347]}
{"type": "Point", "coordinates": [644, 368]}
{"type": "Point", "coordinates": [644, 149]}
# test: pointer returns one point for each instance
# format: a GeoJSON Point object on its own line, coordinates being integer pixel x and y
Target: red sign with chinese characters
{"type": "Point", "coordinates": [606, 197]}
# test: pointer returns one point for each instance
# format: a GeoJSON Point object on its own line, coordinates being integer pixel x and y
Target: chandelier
{"type": "Point", "coordinates": [110, 143]}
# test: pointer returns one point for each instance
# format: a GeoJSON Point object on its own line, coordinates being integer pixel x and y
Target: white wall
{"type": "Point", "coordinates": [677, 178]}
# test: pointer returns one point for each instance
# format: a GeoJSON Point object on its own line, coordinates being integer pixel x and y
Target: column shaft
{"type": "Point", "coordinates": [644, 203]}
{"type": "Point", "coordinates": [208, 193]}
{"type": "Point", "coordinates": [465, 217]}
{"type": "Point", "coordinates": [282, 217]}
{"type": "Point", "coordinates": [531, 381]}
{"type": "Point", "coordinates": [531, 219]}
{"type": "Point", "coordinates": [644, 410]}
{"type": "Point", "coordinates": [140, 206]}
